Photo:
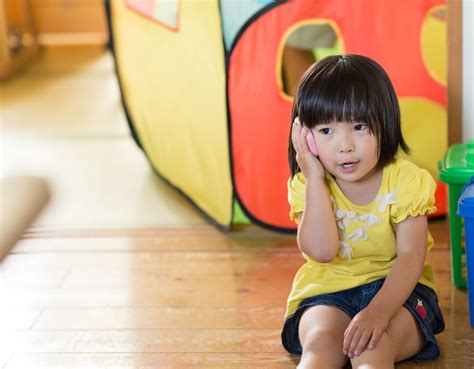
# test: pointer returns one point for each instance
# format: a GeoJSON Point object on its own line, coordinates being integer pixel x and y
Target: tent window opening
{"type": "Point", "coordinates": [304, 46]}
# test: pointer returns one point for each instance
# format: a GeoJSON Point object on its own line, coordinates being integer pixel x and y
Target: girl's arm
{"type": "Point", "coordinates": [411, 235]}
{"type": "Point", "coordinates": [317, 231]}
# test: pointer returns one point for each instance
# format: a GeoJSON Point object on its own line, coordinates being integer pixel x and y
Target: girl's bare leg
{"type": "Point", "coordinates": [401, 340]}
{"type": "Point", "coordinates": [321, 332]}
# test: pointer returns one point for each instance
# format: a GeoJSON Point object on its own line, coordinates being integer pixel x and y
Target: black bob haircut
{"type": "Point", "coordinates": [349, 88]}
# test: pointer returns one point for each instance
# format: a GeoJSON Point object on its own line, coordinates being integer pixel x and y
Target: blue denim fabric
{"type": "Point", "coordinates": [352, 301]}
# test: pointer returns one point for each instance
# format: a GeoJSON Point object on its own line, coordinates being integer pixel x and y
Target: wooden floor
{"type": "Point", "coordinates": [171, 298]}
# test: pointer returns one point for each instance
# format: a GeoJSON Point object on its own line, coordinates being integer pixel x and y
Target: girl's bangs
{"type": "Point", "coordinates": [337, 100]}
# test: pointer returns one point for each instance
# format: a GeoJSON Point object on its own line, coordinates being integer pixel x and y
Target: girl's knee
{"type": "Point", "coordinates": [321, 360]}
{"type": "Point", "coordinates": [322, 348]}
{"type": "Point", "coordinates": [318, 338]}
{"type": "Point", "coordinates": [381, 356]}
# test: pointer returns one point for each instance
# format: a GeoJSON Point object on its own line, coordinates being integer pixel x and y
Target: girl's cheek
{"type": "Point", "coordinates": [322, 158]}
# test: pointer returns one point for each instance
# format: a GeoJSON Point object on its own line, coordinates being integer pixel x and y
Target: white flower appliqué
{"type": "Point", "coordinates": [345, 217]}
{"type": "Point", "coordinates": [357, 235]}
{"type": "Point", "coordinates": [370, 220]}
{"type": "Point", "coordinates": [345, 250]}
{"type": "Point", "coordinates": [385, 200]}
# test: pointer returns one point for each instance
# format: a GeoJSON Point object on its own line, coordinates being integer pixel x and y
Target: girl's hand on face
{"type": "Point", "coordinates": [308, 163]}
{"type": "Point", "coordinates": [364, 331]}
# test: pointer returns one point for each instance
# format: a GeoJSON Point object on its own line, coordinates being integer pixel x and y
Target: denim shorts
{"type": "Point", "coordinates": [422, 304]}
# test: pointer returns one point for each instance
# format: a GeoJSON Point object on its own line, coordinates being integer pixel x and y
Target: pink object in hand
{"type": "Point", "coordinates": [311, 144]}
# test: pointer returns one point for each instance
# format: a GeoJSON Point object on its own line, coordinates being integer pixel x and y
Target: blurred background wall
{"type": "Point", "coordinates": [468, 69]}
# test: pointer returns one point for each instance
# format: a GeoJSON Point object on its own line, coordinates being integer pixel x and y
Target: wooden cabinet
{"type": "Point", "coordinates": [27, 24]}
{"type": "Point", "coordinates": [69, 22]}
{"type": "Point", "coordinates": [17, 37]}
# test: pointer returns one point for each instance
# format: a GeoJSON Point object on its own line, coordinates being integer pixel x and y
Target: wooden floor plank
{"type": "Point", "coordinates": [5, 356]}
{"type": "Point", "coordinates": [217, 342]}
{"type": "Point", "coordinates": [143, 297]}
{"type": "Point", "coordinates": [248, 239]}
{"type": "Point", "coordinates": [39, 277]}
{"type": "Point", "coordinates": [153, 361]}
{"type": "Point", "coordinates": [163, 261]}
{"type": "Point", "coordinates": [18, 318]}
{"type": "Point", "coordinates": [136, 341]}
{"type": "Point", "coordinates": [170, 281]}
{"type": "Point", "coordinates": [188, 360]}
{"type": "Point", "coordinates": [161, 318]}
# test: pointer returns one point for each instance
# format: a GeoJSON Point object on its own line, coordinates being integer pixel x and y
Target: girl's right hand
{"type": "Point", "coordinates": [308, 163]}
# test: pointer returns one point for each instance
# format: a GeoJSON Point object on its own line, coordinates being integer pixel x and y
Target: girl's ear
{"type": "Point", "coordinates": [311, 143]}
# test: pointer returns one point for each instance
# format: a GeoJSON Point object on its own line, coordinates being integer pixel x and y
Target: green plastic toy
{"type": "Point", "coordinates": [456, 168]}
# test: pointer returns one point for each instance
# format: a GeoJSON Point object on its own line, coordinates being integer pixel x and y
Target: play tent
{"type": "Point", "coordinates": [201, 83]}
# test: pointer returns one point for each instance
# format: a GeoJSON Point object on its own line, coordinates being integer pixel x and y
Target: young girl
{"type": "Point", "coordinates": [365, 293]}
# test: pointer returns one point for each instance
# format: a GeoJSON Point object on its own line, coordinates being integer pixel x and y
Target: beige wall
{"type": "Point", "coordinates": [468, 69]}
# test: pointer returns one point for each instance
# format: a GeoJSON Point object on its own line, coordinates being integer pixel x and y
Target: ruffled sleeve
{"type": "Point", "coordinates": [296, 188]}
{"type": "Point", "coordinates": [414, 193]}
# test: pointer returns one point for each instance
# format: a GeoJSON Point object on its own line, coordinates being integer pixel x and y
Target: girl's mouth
{"type": "Point", "coordinates": [348, 167]}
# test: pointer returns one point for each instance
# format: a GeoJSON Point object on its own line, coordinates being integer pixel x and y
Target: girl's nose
{"type": "Point", "coordinates": [346, 145]}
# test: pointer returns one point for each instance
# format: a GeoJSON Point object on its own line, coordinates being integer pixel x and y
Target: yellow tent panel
{"type": "Point", "coordinates": [174, 86]}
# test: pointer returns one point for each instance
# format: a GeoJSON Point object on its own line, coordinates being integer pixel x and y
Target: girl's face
{"type": "Point", "coordinates": [347, 150]}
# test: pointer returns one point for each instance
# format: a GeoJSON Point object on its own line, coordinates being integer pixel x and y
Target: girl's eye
{"type": "Point", "coordinates": [325, 131]}
{"type": "Point", "coordinates": [360, 127]}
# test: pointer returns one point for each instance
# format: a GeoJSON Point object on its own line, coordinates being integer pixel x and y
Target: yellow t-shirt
{"type": "Point", "coordinates": [366, 232]}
